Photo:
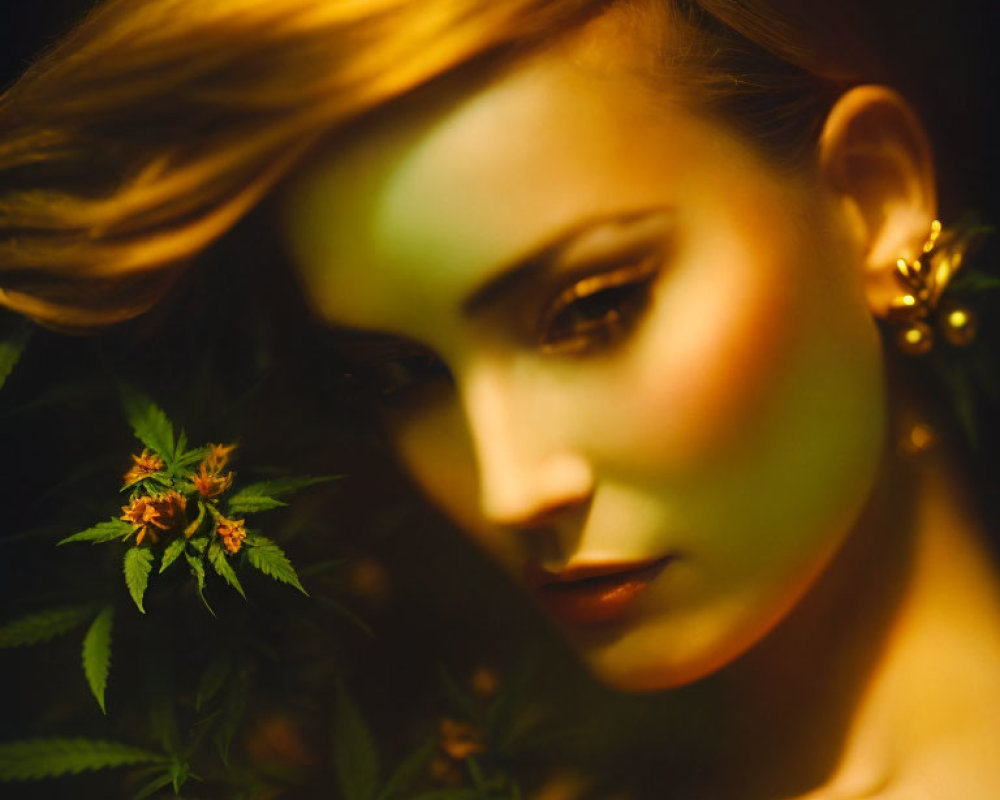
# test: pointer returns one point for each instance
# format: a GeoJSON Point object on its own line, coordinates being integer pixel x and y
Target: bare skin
{"type": "Point", "coordinates": [734, 424]}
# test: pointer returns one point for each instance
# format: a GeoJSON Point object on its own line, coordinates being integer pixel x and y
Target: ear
{"type": "Point", "coordinates": [875, 156]}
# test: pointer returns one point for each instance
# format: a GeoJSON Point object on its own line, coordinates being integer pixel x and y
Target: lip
{"type": "Point", "coordinates": [591, 594]}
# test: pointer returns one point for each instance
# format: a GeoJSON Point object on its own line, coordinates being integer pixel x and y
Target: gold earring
{"type": "Point", "coordinates": [919, 309]}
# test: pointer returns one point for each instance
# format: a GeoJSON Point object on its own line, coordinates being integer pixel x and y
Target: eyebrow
{"type": "Point", "coordinates": [522, 269]}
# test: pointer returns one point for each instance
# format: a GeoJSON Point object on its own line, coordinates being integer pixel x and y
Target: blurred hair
{"type": "Point", "coordinates": [154, 126]}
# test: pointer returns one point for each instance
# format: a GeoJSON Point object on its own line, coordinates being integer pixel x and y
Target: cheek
{"type": "Point", "coordinates": [715, 343]}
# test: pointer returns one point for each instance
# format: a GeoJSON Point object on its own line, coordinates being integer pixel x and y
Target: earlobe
{"type": "Point", "coordinates": [875, 157]}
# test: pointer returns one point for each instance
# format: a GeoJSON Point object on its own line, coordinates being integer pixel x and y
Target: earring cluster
{"type": "Point", "coordinates": [919, 314]}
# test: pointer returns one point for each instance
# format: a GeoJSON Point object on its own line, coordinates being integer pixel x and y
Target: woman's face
{"type": "Point", "coordinates": [628, 357]}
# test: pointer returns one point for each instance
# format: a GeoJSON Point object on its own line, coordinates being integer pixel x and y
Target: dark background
{"type": "Point", "coordinates": [950, 55]}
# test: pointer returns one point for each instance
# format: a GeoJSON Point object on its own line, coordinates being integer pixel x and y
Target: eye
{"type": "Point", "coordinates": [598, 311]}
{"type": "Point", "coordinates": [399, 380]}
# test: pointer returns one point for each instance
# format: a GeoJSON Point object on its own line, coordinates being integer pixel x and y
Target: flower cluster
{"type": "Point", "coordinates": [159, 501]}
{"type": "Point", "coordinates": [148, 515]}
{"type": "Point", "coordinates": [183, 508]}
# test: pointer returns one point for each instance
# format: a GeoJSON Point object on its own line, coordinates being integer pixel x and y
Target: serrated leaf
{"type": "Point", "coordinates": [11, 349]}
{"type": "Point", "coordinates": [172, 553]}
{"type": "Point", "coordinates": [265, 555]}
{"type": "Point", "coordinates": [263, 495]}
{"type": "Point", "coordinates": [181, 446]}
{"type": "Point", "coordinates": [48, 758]}
{"type": "Point", "coordinates": [217, 558]}
{"type": "Point", "coordinates": [409, 771]}
{"type": "Point", "coordinates": [149, 423]}
{"type": "Point", "coordinates": [283, 486]}
{"type": "Point", "coordinates": [101, 532]}
{"type": "Point", "coordinates": [249, 504]}
{"type": "Point", "coordinates": [41, 626]}
{"type": "Point", "coordinates": [97, 654]}
{"type": "Point", "coordinates": [188, 459]}
{"type": "Point", "coordinates": [198, 570]}
{"type": "Point", "coordinates": [354, 755]}
{"type": "Point", "coordinates": [138, 565]}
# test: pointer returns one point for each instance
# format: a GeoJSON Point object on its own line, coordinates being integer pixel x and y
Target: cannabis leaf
{"type": "Point", "coordinates": [48, 758]}
{"type": "Point", "coordinates": [42, 626]}
{"type": "Point", "coordinates": [101, 532]}
{"type": "Point", "coordinates": [198, 570]}
{"type": "Point", "coordinates": [246, 503]}
{"type": "Point", "coordinates": [354, 754]}
{"type": "Point", "coordinates": [138, 565]}
{"type": "Point", "coordinates": [270, 559]}
{"type": "Point", "coordinates": [172, 553]}
{"type": "Point", "coordinates": [149, 423]}
{"type": "Point", "coordinates": [97, 654]}
{"type": "Point", "coordinates": [217, 558]}
{"type": "Point", "coordinates": [263, 496]}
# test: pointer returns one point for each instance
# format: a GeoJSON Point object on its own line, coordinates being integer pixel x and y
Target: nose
{"type": "Point", "coordinates": [530, 472]}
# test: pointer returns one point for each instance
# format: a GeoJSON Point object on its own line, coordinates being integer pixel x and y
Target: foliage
{"type": "Point", "coordinates": [97, 654]}
{"type": "Point", "coordinates": [41, 626]}
{"type": "Point", "coordinates": [174, 498]}
{"type": "Point", "coordinates": [183, 690]}
{"type": "Point", "coordinates": [50, 758]}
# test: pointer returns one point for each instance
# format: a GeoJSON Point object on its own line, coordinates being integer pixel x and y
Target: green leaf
{"type": "Point", "coordinates": [188, 459]}
{"type": "Point", "coordinates": [262, 496]}
{"type": "Point", "coordinates": [180, 771]}
{"type": "Point", "coordinates": [283, 486]}
{"type": "Point", "coordinates": [270, 559]}
{"type": "Point", "coordinates": [172, 553]}
{"type": "Point", "coordinates": [450, 794]}
{"type": "Point", "coordinates": [153, 786]}
{"type": "Point", "coordinates": [48, 758]}
{"type": "Point", "coordinates": [354, 754]}
{"type": "Point", "coordinates": [197, 566]}
{"type": "Point", "coordinates": [101, 532]}
{"type": "Point", "coordinates": [242, 503]}
{"type": "Point", "coordinates": [181, 446]}
{"type": "Point", "coordinates": [408, 772]}
{"type": "Point", "coordinates": [217, 558]}
{"type": "Point", "coordinates": [138, 565]}
{"type": "Point", "coordinates": [97, 654]}
{"type": "Point", "coordinates": [41, 626]}
{"type": "Point", "coordinates": [149, 423]}
{"type": "Point", "coordinates": [11, 349]}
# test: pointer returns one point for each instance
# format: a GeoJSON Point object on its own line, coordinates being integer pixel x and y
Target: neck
{"type": "Point", "coordinates": [876, 662]}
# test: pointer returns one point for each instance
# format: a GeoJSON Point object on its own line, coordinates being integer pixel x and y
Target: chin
{"type": "Point", "coordinates": [629, 664]}
{"type": "Point", "coordinates": [668, 653]}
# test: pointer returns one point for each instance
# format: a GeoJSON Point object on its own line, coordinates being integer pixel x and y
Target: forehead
{"type": "Point", "coordinates": [427, 205]}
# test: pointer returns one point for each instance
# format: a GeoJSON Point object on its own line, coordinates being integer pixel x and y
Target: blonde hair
{"type": "Point", "coordinates": [154, 126]}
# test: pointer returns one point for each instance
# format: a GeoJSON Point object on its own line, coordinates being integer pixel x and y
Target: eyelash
{"type": "Point", "coordinates": [598, 311]}
{"type": "Point", "coordinates": [592, 314]}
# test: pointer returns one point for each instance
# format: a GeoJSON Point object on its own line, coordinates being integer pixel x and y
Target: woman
{"type": "Point", "coordinates": [615, 272]}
